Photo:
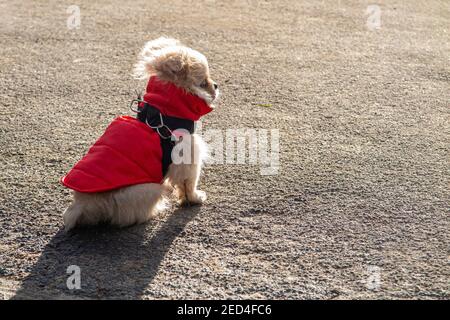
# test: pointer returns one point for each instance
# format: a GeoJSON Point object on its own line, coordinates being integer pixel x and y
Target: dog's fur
{"type": "Point", "coordinates": [188, 69]}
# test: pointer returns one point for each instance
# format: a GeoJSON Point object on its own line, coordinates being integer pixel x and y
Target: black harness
{"type": "Point", "coordinates": [164, 126]}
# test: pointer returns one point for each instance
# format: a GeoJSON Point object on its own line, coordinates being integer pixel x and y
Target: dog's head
{"type": "Point", "coordinates": [176, 63]}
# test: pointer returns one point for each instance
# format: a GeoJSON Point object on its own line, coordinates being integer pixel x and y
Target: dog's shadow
{"type": "Point", "coordinates": [113, 263]}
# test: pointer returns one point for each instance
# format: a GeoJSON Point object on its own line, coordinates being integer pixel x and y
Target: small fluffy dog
{"type": "Point", "coordinates": [122, 179]}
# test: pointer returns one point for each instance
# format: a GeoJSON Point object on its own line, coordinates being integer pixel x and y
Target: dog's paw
{"type": "Point", "coordinates": [181, 200]}
{"type": "Point", "coordinates": [197, 197]}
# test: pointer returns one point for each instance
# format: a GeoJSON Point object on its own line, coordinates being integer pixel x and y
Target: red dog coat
{"type": "Point", "coordinates": [129, 152]}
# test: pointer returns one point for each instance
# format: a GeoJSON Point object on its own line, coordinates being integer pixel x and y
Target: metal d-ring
{"type": "Point", "coordinates": [160, 126]}
{"type": "Point", "coordinates": [161, 135]}
{"type": "Point", "coordinates": [137, 101]}
{"type": "Point", "coordinates": [161, 123]}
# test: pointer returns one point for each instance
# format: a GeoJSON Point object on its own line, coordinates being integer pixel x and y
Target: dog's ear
{"type": "Point", "coordinates": [153, 46]}
{"type": "Point", "coordinates": [150, 55]}
{"type": "Point", "coordinates": [169, 64]}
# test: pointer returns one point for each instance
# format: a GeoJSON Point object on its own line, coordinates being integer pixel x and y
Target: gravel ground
{"type": "Point", "coordinates": [359, 208]}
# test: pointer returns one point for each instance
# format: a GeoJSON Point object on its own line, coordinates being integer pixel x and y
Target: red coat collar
{"type": "Point", "coordinates": [173, 101]}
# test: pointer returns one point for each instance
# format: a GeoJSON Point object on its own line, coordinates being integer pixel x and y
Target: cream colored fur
{"type": "Point", "coordinates": [188, 69]}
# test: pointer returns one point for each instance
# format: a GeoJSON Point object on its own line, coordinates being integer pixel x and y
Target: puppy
{"type": "Point", "coordinates": [110, 187]}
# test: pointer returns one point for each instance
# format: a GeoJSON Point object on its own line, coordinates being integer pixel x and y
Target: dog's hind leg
{"type": "Point", "coordinates": [72, 215]}
{"type": "Point", "coordinates": [137, 203]}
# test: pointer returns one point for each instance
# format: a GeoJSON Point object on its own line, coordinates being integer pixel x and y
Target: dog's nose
{"type": "Point", "coordinates": [215, 86]}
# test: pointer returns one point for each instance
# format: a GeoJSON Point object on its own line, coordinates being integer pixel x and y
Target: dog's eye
{"type": "Point", "coordinates": [204, 84]}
